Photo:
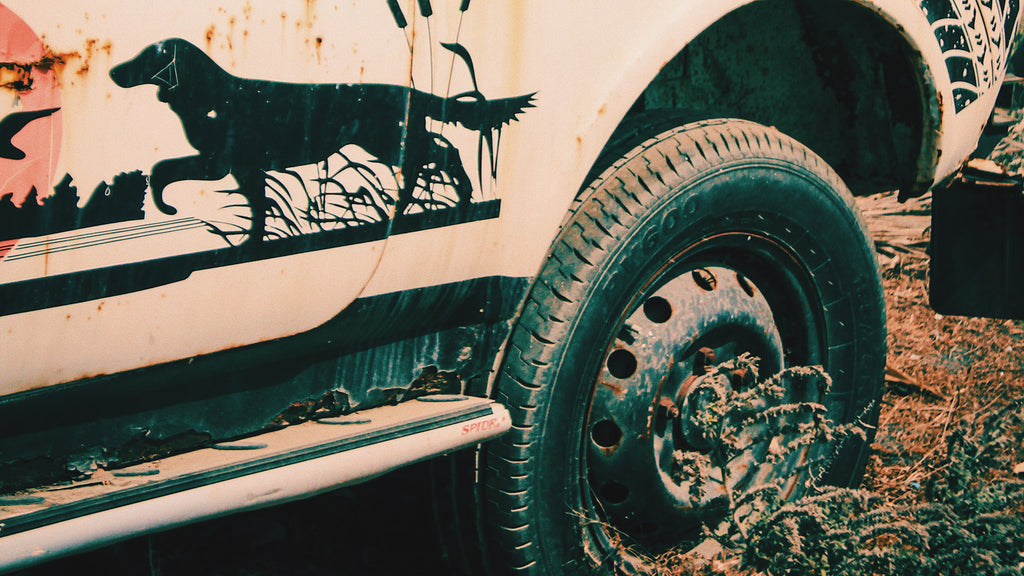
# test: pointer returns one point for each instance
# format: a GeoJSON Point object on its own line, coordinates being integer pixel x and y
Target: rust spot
{"type": "Point", "coordinates": [616, 389]}
{"type": "Point", "coordinates": [431, 380]}
{"type": "Point", "coordinates": [209, 35]}
{"type": "Point", "coordinates": [56, 62]}
{"type": "Point", "coordinates": [18, 75]}
{"type": "Point", "coordinates": [90, 51]}
{"type": "Point", "coordinates": [297, 412]}
{"type": "Point", "coordinates": [15, 77]}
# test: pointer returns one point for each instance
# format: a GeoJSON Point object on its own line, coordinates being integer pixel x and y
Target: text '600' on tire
{"type": "Point", "coordinates": [705, 242]}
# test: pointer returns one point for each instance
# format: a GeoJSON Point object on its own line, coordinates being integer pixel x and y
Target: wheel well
{"type": "Point", "coordinates": [830, 73]}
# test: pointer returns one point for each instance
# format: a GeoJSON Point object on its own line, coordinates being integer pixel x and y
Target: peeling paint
{"type": "Point", "coordinates": [18, 75]}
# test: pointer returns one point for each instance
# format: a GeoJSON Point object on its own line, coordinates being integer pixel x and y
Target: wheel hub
{"type": "Point", "coordinates": [642, 412]}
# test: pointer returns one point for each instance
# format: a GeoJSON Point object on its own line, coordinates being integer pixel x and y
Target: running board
{"type": "Point", "coordinates": [287, 464]}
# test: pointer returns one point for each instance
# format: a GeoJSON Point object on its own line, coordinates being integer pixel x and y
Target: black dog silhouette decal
{"type": "Point", "coordinates": [245, 127]}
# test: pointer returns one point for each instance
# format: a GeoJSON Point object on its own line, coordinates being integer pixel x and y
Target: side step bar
{"type": "Point", "coordinates": [287, 464]}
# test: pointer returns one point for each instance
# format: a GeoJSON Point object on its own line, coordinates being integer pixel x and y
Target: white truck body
{"type": "Point", "coordinates": [501, 110]}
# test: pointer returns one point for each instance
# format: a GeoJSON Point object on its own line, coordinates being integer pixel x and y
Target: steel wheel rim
{"type": "Point", "coordinates": [702, 300]}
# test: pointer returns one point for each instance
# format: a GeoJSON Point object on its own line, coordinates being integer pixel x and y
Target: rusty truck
{"type": "Point", "coordinates": [254, 251]}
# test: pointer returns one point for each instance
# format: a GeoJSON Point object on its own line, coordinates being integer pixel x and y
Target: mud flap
{"type": "Point", "coordinates": [977, 245]}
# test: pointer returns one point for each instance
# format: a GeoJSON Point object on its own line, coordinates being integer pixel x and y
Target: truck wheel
{"type": "Point", "coordinates": [707, 241]}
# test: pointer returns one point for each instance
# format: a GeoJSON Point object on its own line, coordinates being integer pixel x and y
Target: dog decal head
{"type": "Point", "coordinates": [157, 64]}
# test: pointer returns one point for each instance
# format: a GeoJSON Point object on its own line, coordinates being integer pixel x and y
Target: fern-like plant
{"type": "Point", "coordinates": [783, 521]}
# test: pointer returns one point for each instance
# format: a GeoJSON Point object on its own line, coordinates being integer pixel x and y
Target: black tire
{"type": "Point", "coordinates": [730, 207]}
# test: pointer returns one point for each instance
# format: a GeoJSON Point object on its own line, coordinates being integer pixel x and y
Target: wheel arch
{"type": "Point", "coordinates": [840, 76]}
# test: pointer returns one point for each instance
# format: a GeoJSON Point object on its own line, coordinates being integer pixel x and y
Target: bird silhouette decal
{"type": "Point", "coordinates": [12, 124]}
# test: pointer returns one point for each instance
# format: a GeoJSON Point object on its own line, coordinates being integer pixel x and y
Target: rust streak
{"type": "Point", "coordinates": [231, 33]}
{"type": "Point", "coordinates": [310, 12]}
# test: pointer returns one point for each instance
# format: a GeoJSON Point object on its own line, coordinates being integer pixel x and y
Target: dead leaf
{"type": "Point", "coordinates": [1019, 469]}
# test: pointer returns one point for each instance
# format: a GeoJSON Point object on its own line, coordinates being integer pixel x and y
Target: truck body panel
{"type": "Point", "coordinates": [299, 208]}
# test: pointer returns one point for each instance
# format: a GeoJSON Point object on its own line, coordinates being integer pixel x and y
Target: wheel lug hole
{"type": "Point", "coordinates": [657, 310]}
{"type": "Point", "coordinates": [745, 285]}
{"type": "Point", "coordinates": [606, 434]}
{"type": "Point", "coordinates": [614, 493]}
{"type": "Point", "coordinates": [704, 279]}
{"type": "Point", "coordinates": [622, 364]}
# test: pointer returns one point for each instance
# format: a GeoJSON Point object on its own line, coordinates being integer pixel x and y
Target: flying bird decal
{"type": "Point", "coordinates": [11, 125]}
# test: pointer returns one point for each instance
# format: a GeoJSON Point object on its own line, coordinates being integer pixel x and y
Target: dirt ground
{"type": "Point", "coordinates": [941, 370]}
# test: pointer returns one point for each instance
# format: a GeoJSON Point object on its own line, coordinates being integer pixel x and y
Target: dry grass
{"type": "Point", "coordinates": [947, 377]}
{"type": "Point", "coordinates": [944, 370]}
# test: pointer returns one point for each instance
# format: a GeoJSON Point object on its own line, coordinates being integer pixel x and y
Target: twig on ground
{"type": "Point", "coordinates": [902, 380]}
